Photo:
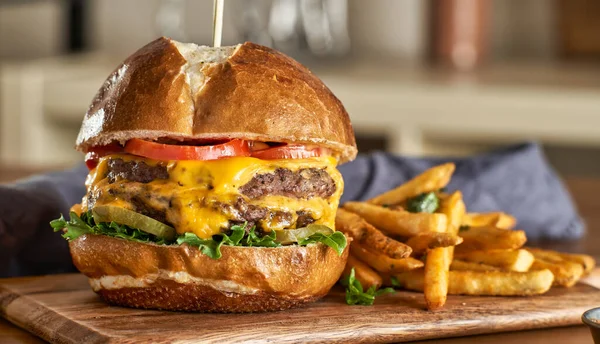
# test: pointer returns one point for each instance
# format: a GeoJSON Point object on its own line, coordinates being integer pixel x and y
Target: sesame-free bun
{"type": "Point", "coordinates": [244, 279]}
{"type": "Point", "coordinates": [184, 91]}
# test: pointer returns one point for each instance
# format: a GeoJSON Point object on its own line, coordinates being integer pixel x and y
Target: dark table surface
{"type": "Point", "coordinates": [586, 193]}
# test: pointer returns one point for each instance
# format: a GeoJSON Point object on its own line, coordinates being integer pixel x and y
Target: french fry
{"type": "Point", "coordinates": [366, 276]}
{"type": "Point", "coordinates": [369, 236]}
{"type": "Point", "coordinates": [547, 255]}
{"type": "Point", "coordinates": [584, 260]}
{"type": "Point", "coordinates": [383, 263]}
{"type": "Point", "coordinates": [433, 179]}
{"type": "Point", "coordinates": [566, 273]}
{"type": "Point", "coordinates": [510, 260]}
{"type": "Point", "coordinates": [490, 238]}
{"type": "Point", "coordinates": [400, 223]}
{"type": "Point", "coordinates": [499, 283]}
{"type": "Point", "coordinates": [454, 209]}
{"type": "Point", "coordinates": [437, 264]}
{"type": "Point", "coordinates": [423, 242]}
{"type": "Point", "coordinates": [495, 219]}
{"type": "Point", "coordinates": [490, 283]}
{"type": "Point", "coordinates": [461, 265]}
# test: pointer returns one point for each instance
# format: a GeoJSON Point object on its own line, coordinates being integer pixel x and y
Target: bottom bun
{"type": "Point", "coordinates": [244, 279]}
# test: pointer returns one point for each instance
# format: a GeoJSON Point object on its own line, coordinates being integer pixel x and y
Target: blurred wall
{"type": "Point", "coordinates": [523, 29]}
{"type": "Point", "coordinates": [382, 28]}
{"type": "Point", "coordinates": [393, 28]}
{"type": "Point", "coordinates": [389, 40]}
{"type": "Point", "coordinates": [31, 29]}
{"type": "Point", "coordinates": [122, 26]}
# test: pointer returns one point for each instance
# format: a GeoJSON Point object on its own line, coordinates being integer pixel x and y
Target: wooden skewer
{"type": "Point", "coordinates": [217, 22]}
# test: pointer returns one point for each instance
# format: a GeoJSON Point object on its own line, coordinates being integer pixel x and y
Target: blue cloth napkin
{"type": "Point", "coordinates": [517, 180]}
{"type": "Point", "coordinates": [28, 246]}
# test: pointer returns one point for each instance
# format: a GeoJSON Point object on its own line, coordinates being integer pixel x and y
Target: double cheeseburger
{"type": "Point", "coordinates": [213, 183]}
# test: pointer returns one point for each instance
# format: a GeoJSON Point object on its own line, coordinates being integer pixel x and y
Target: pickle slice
{"type": "Point", "coordinates": [290, 236]}
{"type": "Point", "coordinates": [109, 213]}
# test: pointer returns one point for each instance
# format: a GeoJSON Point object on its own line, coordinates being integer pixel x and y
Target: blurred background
{"type": "Point", "coordinates": [418, 77]}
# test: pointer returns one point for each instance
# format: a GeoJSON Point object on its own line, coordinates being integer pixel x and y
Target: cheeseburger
{"type": "Point", "coordinates": [213, 184]}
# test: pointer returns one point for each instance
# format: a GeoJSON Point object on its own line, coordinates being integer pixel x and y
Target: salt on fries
{"type": "Point", "coordinates": [462, 265]}
{"type": "Point", "coordinates": [383, 263]}
{"type": "Point", "coordinates": [369, 236]}
{"type": "Point", "coordinates": [398, 222]}
{"type": "Point", "coordinates": [418, 237]}
{"type": "Point", "coordinates": [490, 238]}
{"type": "Point", "coordinates": [508, 260]}
{"type": "Point", "coordinates": [491, 283]}
{"type": "Point", "coordinates": [423, 242]}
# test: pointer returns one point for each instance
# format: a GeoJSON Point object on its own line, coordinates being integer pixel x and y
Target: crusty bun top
{"type": "Point", "coordinates": [183, 91]}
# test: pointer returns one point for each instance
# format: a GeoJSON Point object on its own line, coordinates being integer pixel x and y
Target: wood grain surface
{"type": "Point", "coordinates": [11, 334]}
{"type": "Point", "coordinates": [63, 309]}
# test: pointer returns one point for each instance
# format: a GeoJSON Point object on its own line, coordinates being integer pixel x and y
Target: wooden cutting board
{"type": "Point", "coordinates": [63, 309]}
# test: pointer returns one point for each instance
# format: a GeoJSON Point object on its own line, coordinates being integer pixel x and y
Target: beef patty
{"type": "Point", "coordinates": [305, 183]}
{"type": "Point", "coordinates": [153, 205]}
{"type": "Point", "coordinates": [135, 171]}
{"type": "Point", "coordinates": [241, 212]}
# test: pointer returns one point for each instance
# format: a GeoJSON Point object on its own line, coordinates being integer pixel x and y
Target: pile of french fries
{"type": "Point", "coordinates": [446, 250]}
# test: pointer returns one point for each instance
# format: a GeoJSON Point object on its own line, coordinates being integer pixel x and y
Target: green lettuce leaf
{"type": "Point", "coordinates": [267, 240]}
{"type": "Point", "coordinates": [209, 247]}
{"type": "Point", "coordinates": [78, 226]}
{"type": "Point", "coordinates": [356, 295]}
{"type": "Point", "coordinates": [336, 241]}
{"type": "Point", "coordinates": [73, 229]}
{"type": "Point", "coordinates": [236, 237]}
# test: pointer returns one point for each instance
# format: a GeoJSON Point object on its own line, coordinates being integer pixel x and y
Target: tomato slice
{"type": "Point", "coordinates": [289, 151]}
{"type": "Point", "coordinates": [94, 154]}
{"type": "Point", "coordinates": [160, 151]}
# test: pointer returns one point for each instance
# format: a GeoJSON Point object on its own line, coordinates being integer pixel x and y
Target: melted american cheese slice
{"type": "Point", "coordinates": [188, 191]}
